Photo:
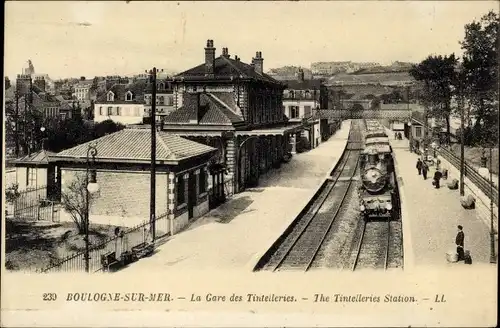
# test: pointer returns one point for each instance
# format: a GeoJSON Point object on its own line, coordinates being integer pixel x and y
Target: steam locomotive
{"type": "Point", "coordinates": [377, 191]}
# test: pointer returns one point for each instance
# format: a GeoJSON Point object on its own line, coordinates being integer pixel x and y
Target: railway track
{"type": "Point", "coordinates": [379, 246]}
{"type": "Point", "coordinates": [298, 250]}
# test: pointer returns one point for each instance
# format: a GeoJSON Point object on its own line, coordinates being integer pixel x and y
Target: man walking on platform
{"type": "Point", "coordinates": [425, 168]}
{"type": "Point", "coordinates": [459, 240]}
{"type": "Point", "coordinates": [419, 166]}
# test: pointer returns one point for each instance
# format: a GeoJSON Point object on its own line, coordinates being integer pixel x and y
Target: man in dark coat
{"type": "Point", "coordinates": [419, 166]}
{"type": "Point", "coordinates": [459, 240]}
{"type": "Point", "coordinates": [437, 177]}
{"type": "Point", "coordinates": [425, 168]}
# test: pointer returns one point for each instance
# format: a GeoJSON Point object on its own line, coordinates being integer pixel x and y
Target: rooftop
{"type": "Point", "coordinates": [134, 145]}
{"type": "Point", "coordinates": [226, 68]}
{"type": "Point", "coordinates": [215, 108]}
{"type": "Point", "coordinates": [39, 157]}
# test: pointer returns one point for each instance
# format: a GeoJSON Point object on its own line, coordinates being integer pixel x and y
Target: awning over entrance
{"type": "Point", "coordinates": [278, 130]}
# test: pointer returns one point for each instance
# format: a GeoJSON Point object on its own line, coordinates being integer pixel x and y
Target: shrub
{"type": "Point", "coordinates": [12, 193]}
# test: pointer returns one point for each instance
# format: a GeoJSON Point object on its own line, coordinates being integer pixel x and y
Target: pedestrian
{"type": "Point", "coordinates": [459, 241]}
{"type": "Point", "coordinates": [419, 166]}
{"type": "Point", "coordinates": [425, 168]}
{"type": "Point", "coordinates": [437, 177]}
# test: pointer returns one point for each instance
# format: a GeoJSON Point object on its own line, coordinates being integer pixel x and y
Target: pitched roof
{"type": "Point", "coordinates": [216, 108]}
{"type": "Point", "coordinates": [226, 68]}
{"type": "Point", "coordinates": [135, 144]}
{"type": "Point", "coordinates": [119, 90]}
{"type": "Point", "coordinates": [40, 157]}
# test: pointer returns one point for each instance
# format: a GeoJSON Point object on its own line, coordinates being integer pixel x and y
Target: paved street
{"type": "Point", "coordinates": [234, 235]}
{"type": "Point", "coordinates": [434, 215]}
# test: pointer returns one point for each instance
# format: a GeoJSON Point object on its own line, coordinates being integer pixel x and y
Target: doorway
{"type": "Point", "coordinates": [191, 195]}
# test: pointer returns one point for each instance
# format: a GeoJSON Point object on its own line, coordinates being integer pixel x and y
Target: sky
{"type": "Point", "coordinates": [72, 39]}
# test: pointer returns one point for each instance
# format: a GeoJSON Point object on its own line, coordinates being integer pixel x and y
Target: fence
{"type": "Point", "coordinates": [31, 204]}
{"type": "Point", "coordinates": [470, 172]}
{"type": "Point", "coordinates": [132, 237]}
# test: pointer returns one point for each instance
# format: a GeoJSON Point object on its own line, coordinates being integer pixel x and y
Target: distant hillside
{"type": "Point", "coordinates": [384, 79]}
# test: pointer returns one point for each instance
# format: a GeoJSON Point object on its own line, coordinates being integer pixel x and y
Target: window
{"type": "Point", "coordinates": [418, 131]}
{"type": "Point", "coordinates": [129, 96]}
{"type": "Point", "coordinates": [161, 100]}
{"type": "Point", "coordinates": [308, 94]}
{"type": "Point", "coordinates": [170, 100]}
{"type": "Point", "coordinates": [118, 111]}
{"type": "Point", "coordinates": [31, 177]}
{"type": "Point", "coordinates": [180, 190]}
{"type": "Point", "coordinates": [62, 116]}
{"type": "Point", "coordinates": [307, 111]}
{"type": "Point", "coordinates": [202, 183]}
{"type": "Point", "coordinates": [147, 99]}
{"type": "Point", "coordinates": [292, 94]}
{"type": "Point", "coordinates": [111, 96]}
{"type": "Point", "coordinates": [110, 110]}
{"type": "Point", "coordinates": [294, 111]}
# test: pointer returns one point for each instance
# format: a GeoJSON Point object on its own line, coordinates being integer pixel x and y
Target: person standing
{"type": "Point", "coordinates": [459, 241]}
{"type": "Point", "coordinates": [425, 168]}
{"type": "Point", "coordinates": [419, 166]}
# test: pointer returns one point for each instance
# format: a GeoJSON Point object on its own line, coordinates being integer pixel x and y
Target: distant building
{"type": "Point", "coordinates": [122, 103]}
{"type": "Point", "coordinates": [81, 90]}
{"type": "Point", "coordinates": [301, 97]}
{"type": "Point", "coordinates": [164, 98]}
{"type": "Point", "coordinates": [330, 68]}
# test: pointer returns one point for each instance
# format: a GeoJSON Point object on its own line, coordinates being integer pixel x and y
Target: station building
{"type": "Point", "coordinates": [122, 170]}
{"type": "Point", "coordinates": [236, 108]}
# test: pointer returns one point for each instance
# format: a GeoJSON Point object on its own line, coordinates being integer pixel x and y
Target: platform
{"type": "Point", "coordinates": [235, 235]}
{"type": "Point", "coordinates": [431, 216]}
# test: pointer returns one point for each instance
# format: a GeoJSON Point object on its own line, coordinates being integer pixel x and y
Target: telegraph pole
{"type": "Point", "coordinates": [152, 202]}
{"type": "Point", "coordinates": [17, 123]}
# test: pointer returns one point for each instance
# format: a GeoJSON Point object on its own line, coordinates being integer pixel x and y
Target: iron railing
{"type": "Point", "coordinates": [132, 237]}
{"type": "Point", "coordinates": [32, 204]}
{"type": "Point", "coordinates": [472, 174]}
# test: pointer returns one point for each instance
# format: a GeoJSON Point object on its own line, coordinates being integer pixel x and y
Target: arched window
{"type": "Point", "coordinates": [308, 94]}
{"type": "Point", "coordinates": [129, 96]}
{"type": "Point", "coordinates": [161, 100]}
{"type": "Point", "coordinates": [292, 94]}
{"type": "Point", "coordinates": [111, 96]}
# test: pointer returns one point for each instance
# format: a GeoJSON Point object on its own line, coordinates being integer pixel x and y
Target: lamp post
{"type": "Point", "coordinates": [410, 140]}
{"type": "Point", "coordinates": [42, 129]}
{"type": "Point", "coordinates": [91, 188]}
{"type": "Point", "coordinates": [492, 232]}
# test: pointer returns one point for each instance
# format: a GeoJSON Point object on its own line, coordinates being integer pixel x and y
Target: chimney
{"type": "Point", "coordinates": [225, 52]}
{"type": "Point", "coordinates": [209, 58]}
{"type": "Point", "coordinates": [236, 58]}
{"type": "Point", "coordinates": [258, 62]}
{"type": "Point", "coordinates": [40, 83]}
{"type": "Point", "coordinates": [300, 75]}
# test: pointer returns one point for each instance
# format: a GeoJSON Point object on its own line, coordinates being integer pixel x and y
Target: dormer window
{"type": "Point", "coordinates": [292, 94]}
{"type": "Point", "coordinates": [111, 96]}
{"type": "Point", "coordinates": [129, 96]}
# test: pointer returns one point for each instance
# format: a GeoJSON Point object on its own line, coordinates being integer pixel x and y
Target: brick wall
{"type": "Point", "coordinates": [124, 193]}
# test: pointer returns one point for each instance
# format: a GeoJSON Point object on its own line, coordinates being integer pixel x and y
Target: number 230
{"type": "Point", "coordinates": [49, 296]}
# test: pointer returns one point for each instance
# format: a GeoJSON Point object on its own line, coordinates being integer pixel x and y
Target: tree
{"type": "Point", "coordinates": [480, 65]}
{"type": "Point", "coordinates": [439, 77]}
{"type": "Point", "coordinates": [74, 201]}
